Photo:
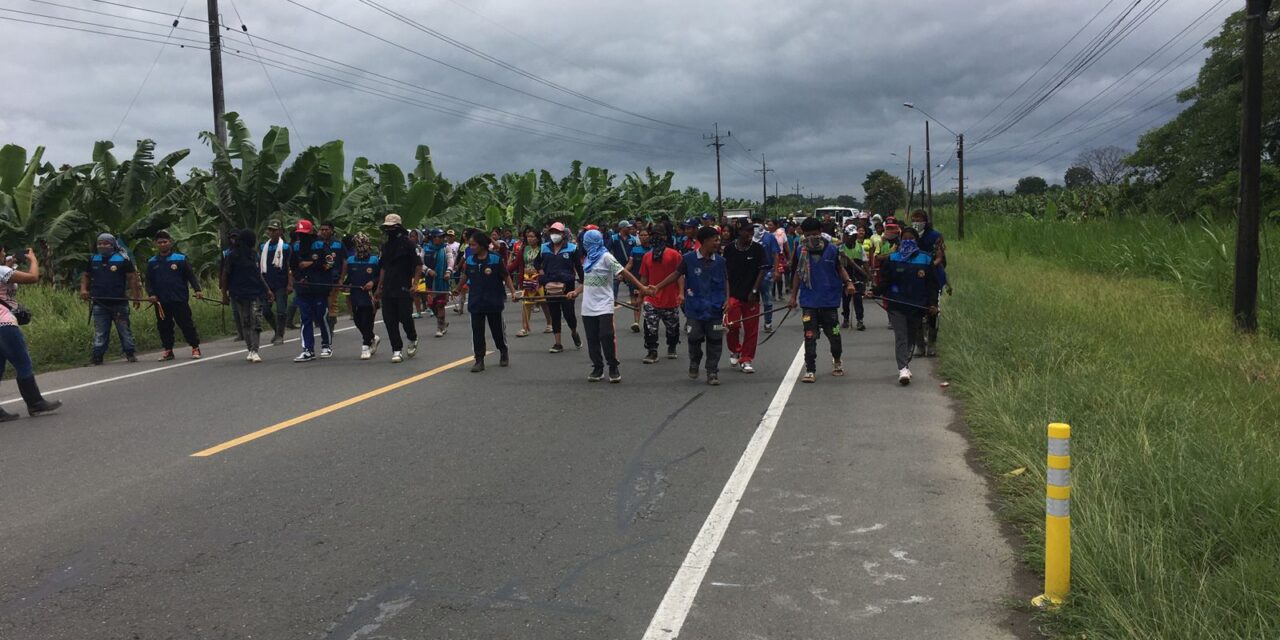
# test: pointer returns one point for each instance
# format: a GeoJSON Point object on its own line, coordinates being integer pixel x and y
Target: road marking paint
{"type": "Point", "coordinates": [164, 368]}
{"type": "Point", "coordinates": [249, 437]}
{"type": "Point", "coordinates": [671, 613]}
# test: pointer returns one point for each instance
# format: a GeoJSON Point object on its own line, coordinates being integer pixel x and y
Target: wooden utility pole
{"type": "Point", "coordinates": [215, 73]}
{"type": "Point", "coordinates": [715, 142]}
{"type": "Point", "coordinates": [764, 187]}
{"type": "Point", "coordinates": [1245, 302]}
{"type": "Point", "coordinates": [928, 161]}
{"type": "Point", "coordinates": [960, 203]}
{"type": "Point", "coordinates": [911, 180]}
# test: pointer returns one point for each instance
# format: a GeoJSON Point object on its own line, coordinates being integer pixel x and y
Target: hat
{"type": "Point", "coordinates": [451, 232]}
{"type": "Point", "coordinates": [850, 230]}
{"type": "Point", "coordinates": [304, 226]}
{"type": "Point", "coordinates": [624, 225]}
{"type": "Point", "coordinates": [892, 227]}
{"type": "Point", "coordinates": [557, 226]}
{"type": "Point", "coordinates": [691, 222]}
{"type": "Point", "coordinates": [274, 224]}
{"type": "Point", "coordinates": [591, 227]}
{"type": "Point", "coordinates": [435, 233]}
{"type": "Point", "coordinates": [392, 220]}
{"type": "Point", "coordinates": [106, 237]}
{"type": "Point", "coordinates": [708, 216]}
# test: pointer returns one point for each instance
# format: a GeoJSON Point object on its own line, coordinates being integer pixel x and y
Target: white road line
{"type": "Point", "coordinates": [669, 617]}
{"type": "Point", "coordinates": [159, 369]}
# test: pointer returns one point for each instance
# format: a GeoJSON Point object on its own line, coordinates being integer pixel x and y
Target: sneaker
{"type": "Point", "coordinates": [396, 357]}
{"type": "Point", "coordinates": [504, 359]}
{"type": "Point", "coordinates": [416, 315]}
{"type": "Point", "coordinates": [254, 357]}
{"type": "Point", "coordinates": [635, 327]}
{"type": "Point", "coordinates": [131, 357]}
{"type": "Point", "coordinates": [305, 356]}
{"type": "Point", "coordinates": [165, 356]}
{"type": "Point", "coordinates": [930, 352]}
{"type": "Point", "coordinates": [768, 328]}
{"type": "Point", "coordinates": [904, 377]}
{"type": "Point", "coordinates": [713, 379]}
{"type": "Point", "coordinates": [650, 357]}
{"type": "Point", "coordinates": [671, 353]}
{"type": "Point", "coordinates": [478, 366]}
{"type": "Point", "coordinates": [248, 356]}
{"type": "Point", "coordinates": [577, 340]}
{"type": "Point", "coordinates": [195, 353]}
{"type": "Point", "coordinates": [373, 348]}
{"type": "Point", "coordinates": [596, 375]}
{"type": "Point", "coordinates": [809, 376]}
{"type": "Point", "coordinates": [861, 327]}
{"type": "Point", "coordinates": [440, 333]}
{"type": "Point", "coordinates": [747, 368]}
{"type": "Point", "coordinates": [693, 373]}
{"type": "Point", "coordinates": [557, 348]}
{"type": "Point", "coordinates": [326, 352]}
{"type": "Point", "coordinates": [837, 367]}
{"type": "Point", "coordinates": [615, 376]}
{"type": "Point", "coordinates": [365, 353]}
{"type": "Point", "coordinates": [412, 349]}
{"type": "Point", "coordinates": [548, 329]}
{"type": "Point", "coordinates": [733, 359]}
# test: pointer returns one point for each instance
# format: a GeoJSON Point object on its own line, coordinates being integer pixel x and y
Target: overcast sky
{"type": "Point", "coordinates": [816, 86]}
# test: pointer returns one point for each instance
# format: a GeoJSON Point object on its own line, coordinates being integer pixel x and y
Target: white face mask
{"type": "Point", "coordinates": [918, 226]}
{"type": "Point", "coordinates": [556, 238]}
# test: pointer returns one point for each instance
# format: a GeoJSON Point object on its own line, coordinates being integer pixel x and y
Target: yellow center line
{"type": "Point", "coordinates": [280, 426]}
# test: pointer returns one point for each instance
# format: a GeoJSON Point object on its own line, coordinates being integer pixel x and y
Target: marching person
{"type": "Point", "coordinates": [909, 285]}
{"type": "Point", "coordinates": [705, 284]}
{"type": "Point", "coordinates": [817, 284]}
{"type": "Point", "coordinates": [853, 257]}
{"type": "Point", "coordinates": [661, 305]}
{"type": "Point", "coordinates": [559, 265]}
{"type": "Point", "coordinates": [437, 272]}
{"type": "Point", "coordinates": [313, 265]}
{"type": "Point", "coordinates": [244, 287]}
{"type": "Point", "coordinates": [13, 345]}
{"type": "Point", "coordinates": [523, 257]}
{"type": "Point", "coordinates": [339, 270]}
{"type": "Point", "coordinates": [104, 283]}
{"type": "Point", "coordinates": [772, 256]}
{"type": "Point", "coordinates": [273, 263]}
{"type": "Point", "coordinates": [487, 277]}
{"type": "Point", "coordinates": [931, 242]}
{"type": "Point", "coordinates": [168, 277]}
{"type": "Point", "coordinates": [363, 272]}
{"type": "Point", "coordinates": [746, 266]}
{"type": "Point", "coordinates": [401, 269]}
{"type": "Point", "coordinates": [600, 271]}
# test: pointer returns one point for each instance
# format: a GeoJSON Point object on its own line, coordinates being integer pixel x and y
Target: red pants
{"type": "Point", "coordinates": [743, 335]}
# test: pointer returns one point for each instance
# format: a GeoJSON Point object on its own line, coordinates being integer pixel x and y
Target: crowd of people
{"type": "Point", "coordinates": [729, 279]}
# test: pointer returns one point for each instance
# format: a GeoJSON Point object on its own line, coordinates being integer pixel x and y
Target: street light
{"type": "Point", "coordinates": [959, 156]}
{"type": "Point", "coordinates": [911, 105]}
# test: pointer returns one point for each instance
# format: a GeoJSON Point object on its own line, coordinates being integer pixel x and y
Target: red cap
{"type": "Point", "coordinates": [558, 226]}
{"type": "Point", "coordinates": [591, 227]}
{"type": "Point", "coordinates": [304, 226]}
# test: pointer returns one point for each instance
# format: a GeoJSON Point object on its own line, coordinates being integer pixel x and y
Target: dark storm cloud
{"type": "Point", "coordinates": [816, 86]}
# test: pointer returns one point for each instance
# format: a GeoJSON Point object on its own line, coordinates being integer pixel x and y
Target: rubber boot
{"type": "Point", "coordinates": [36, 404]}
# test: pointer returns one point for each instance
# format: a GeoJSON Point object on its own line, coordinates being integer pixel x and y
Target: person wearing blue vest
{"type": "Point", "coordinates": [437, 270]}
{"type": "Point", "coordinates": [818, 284]}
{"type": "Point", "coordinates": [363, 272]}
{"type": "Point", "coordinates": [932, 243]}
{"type": "Point", "coordinates": [772, 251]}
{"type": "Point", "coordinates": [104, 284]}
{"type": "Point", "coordinates": [484, 273]}
{"type": "Point", "coordinates": [339, 271]}
{"type": "Point", "coordinates": [909, 285]}
{"type": "Point", "coordinates": [273, 262]}
{"type": "Point", "coordinates": [559, 266]}
{"type": "Point", "coordinates": [244, 288]}
{"type": "Point", "coordinates": [704, 279]}
{"type": "Point", "coordinates": [315, 267]}
{"type": "Point", "coordinates": [168, 277]}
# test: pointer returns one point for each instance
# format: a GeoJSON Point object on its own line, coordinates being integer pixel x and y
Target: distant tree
{"type": "Point", "coordinates": [847, 201]}
{"type": "Point", "coordinates": [1107, 164]}
{"type": "Point", "coordinates": [1078, 176]}
{"type": "Point", "coordinates": [1031, 186]}
{"type": "Point", "coordinates": [885, 192]}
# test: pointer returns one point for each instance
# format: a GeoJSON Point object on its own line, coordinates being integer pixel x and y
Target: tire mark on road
{"type": "Point", "coordinates": [642, 482]}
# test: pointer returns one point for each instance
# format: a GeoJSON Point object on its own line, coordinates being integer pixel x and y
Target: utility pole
{"type": "Point", "coordinates": [764, 185]}
{"type": "Point", "coordinates": [715, 142]}
{"type": "Point", "coordinates": [215, 73]}
{"type": "Point", "coordinates": [960, 202]}
{"type": "Point", "coordinates": [1245, 301]}
{"type": "Point", "coordinates": [928, 160]}
{"type": "Point", "coordinates": [911, 181]}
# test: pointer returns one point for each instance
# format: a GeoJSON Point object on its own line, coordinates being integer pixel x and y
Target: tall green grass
{"type": "Point", "coordinates": [60, 334]}
{"type": "Point", "coordinates": [1175, 448]}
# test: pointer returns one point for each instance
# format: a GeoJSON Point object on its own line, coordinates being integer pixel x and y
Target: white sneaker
{"type": "Point", "coordinates": [747, 368]}
{"type": "Point", "coordinates": [373, 350]}
{"type": "Point", "coordinates": [904, 377]}
{"type": "Point", "coordinates": [365, 352]}
{"type": "Point", "coordinates": [412, 349]}
{"type": "Point", "coordinates": [249, 356]}
{"type": "Point", "coordinates": [326, 352]}
{"type": "Point", "coordinates": [305, 356]}
{"type": "Point", "coordinates": [396, 357]}
{"type": "Point", "coordinates": [733, 359]}
{"type": "Point", "coordinates": [254, 357]}
{"type": "Point", "coordinates": [439, 333]}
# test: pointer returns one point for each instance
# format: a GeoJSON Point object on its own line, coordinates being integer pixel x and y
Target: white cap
{"type": "Point", "coordinates": [392, 220]}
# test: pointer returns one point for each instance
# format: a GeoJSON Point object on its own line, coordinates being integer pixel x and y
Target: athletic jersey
{"type": "Point", "coordinates": [325, 267]}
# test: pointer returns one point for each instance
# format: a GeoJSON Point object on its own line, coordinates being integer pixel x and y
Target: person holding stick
{"type": "Point", "coordinates": [704, 281]}
{"type": "Point", "coordinates": [168, 277]}
{"type": "Point", "coordinates": [244, 287]}
{"type": "Point", "coordinates": [746, 264]}
{"type": "Point", "coordinates": [559, 265]}
{"type": "Point", "coordinates": [273, 262]}
{"type": "Point", "coordinates": [487, 277]}
{"type": "Point", "coordinates": [909, 285]}
{"type": "Point", "coordinates": [13, 344]}
{"type": "Point", "coordinates": [363, 271]}
{"type": "Point", "coordinates": [314, 266]}
{"type": "Point", "coordinates": [103, 283]}
{"type": "Point", "coordinates": [601, 269]}
{"type": "Point", "coordinates": [816, 284]}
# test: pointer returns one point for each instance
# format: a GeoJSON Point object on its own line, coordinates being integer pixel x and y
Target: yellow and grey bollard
{"type": "Point", "coordinates": [1057, 519]}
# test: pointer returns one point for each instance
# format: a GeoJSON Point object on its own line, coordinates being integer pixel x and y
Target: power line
{"type": "Point", "coordinates": [288, 116]}
{"type": "Point", "coordinates": [147, 76]}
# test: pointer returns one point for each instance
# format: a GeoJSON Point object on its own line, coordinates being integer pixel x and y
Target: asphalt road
{"type": "Point", "coordinates": [422, 501]}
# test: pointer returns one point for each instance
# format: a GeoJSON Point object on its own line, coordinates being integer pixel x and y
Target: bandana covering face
{"type": "Point", "coordinates": [593, 242]}
{"type": "Point", "coordinates": [908, 249]}
{"type": "Point", "coordinates": [363, 246]}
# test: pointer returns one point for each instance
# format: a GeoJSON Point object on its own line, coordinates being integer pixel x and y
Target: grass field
{"type": "Point", "coordinates": [1176, 500]}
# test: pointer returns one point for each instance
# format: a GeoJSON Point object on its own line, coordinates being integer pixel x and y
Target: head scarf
{"type": "Point", "coordinates": [593, 242]}
{"type": "Point", "coordinates": [363, 246]}
{"type": "Point", "coordinates": [907, 249]}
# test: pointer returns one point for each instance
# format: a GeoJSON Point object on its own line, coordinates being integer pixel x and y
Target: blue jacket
{"type": "Point", "coordinates": [909, 285]}
{"type": "Point", "coordinates": [825, 288]}
{"type": "Point", "coordinates": [360, 272]}
{"type": "Point", "coordinates": [169, 276]}
{"type": "Point", "coordinates": [326, 265]}
{"type": "Point", "coordinates": [564, 265]}
{"type": "Point", "coordinates": [486, 284]}
{"type": "Point", "coordinates": [108, 276]}
{"type": "Point", "coordinates": [704, 284]}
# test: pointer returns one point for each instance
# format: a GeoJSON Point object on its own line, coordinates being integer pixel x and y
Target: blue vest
{"type": "Point", "coordinates": [167, 277]}
{"type": "Point", "coordinates": [360, 272]}
{"type": "Point", "coordinates": [704, 296]}
{"type": "Point", "coordinates": [558, 265]}
{"type": "Point", "coordinates": [107, 276]}
{"type": "Point", "coordinates": [277, 278]}
{"type": "Point", "coordinates": [825, 289]}
{"type": "Point", "coordinates": [486, 287]}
